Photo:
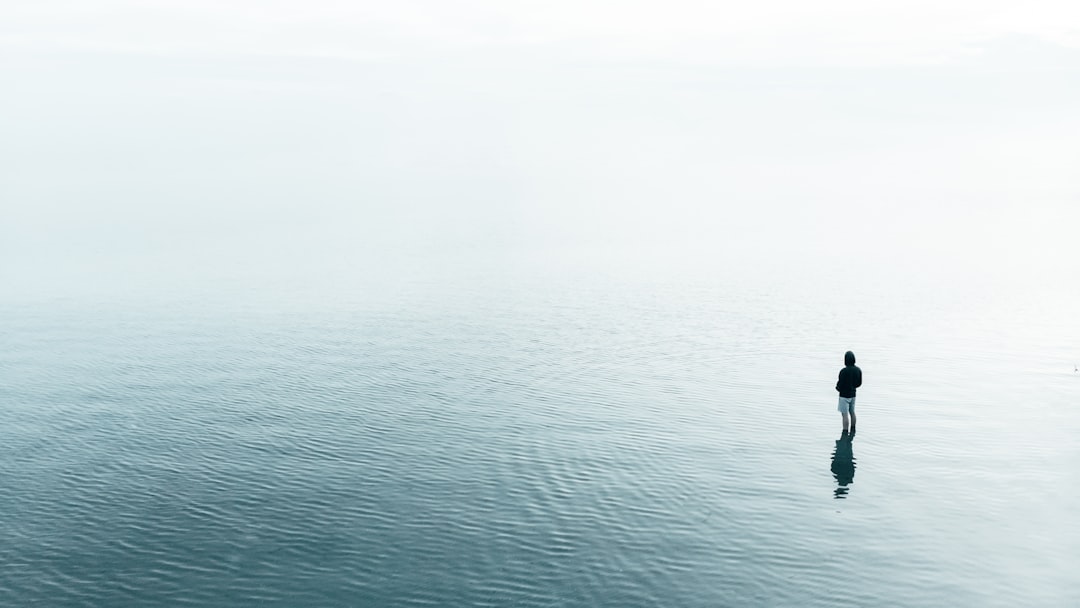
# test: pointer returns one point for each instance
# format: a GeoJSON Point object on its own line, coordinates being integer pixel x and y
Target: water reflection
{"type": "Point", "coordinates": [843, 465]}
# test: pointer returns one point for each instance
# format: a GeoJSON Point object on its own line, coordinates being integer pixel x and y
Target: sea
{"type": "Point", "coordinates": [542, 433]}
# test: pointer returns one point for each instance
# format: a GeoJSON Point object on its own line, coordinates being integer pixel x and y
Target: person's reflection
{"type": "Point", "coordinates": [843, 465]}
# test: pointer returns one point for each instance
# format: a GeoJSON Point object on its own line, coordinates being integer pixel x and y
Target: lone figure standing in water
{"type": "Point", "coordinates": [849, 380]}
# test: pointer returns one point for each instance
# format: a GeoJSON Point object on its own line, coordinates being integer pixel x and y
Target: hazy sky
{"type": "Point", "coordinates": [178, 135]}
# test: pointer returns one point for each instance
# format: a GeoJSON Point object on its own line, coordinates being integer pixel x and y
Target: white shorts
{"type": "Point", "coordinates": [847, 405]}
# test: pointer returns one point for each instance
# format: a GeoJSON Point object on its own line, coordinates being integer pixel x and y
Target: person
{"type": "Point", "coordinates": [849, 380]}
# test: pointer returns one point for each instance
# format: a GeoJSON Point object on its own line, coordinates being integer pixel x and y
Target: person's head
{"type": "Point", "coordinates": [849, 358]}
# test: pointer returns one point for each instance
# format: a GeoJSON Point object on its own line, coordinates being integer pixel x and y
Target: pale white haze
{"type": "Point", "coordinates": [237, 138]}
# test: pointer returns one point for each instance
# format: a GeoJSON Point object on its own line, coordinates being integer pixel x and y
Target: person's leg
{"type": "Point", "coordinates": [845, 415]}
{"type": "Point", "coordinates": [851, 408]}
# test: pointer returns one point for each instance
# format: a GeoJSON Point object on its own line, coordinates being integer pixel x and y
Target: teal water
{"type": "Point", "coordinates": [540, 439]}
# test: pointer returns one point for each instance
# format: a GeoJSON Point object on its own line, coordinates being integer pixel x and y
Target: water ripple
{"type": "Point", "coordinates": [604, 447]}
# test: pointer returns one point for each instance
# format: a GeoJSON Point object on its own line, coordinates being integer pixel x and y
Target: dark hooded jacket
{"type": "Point", "coordinates": [850, 377]}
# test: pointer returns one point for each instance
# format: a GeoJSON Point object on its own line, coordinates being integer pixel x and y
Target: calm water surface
{"type": "Point", "coordinates": [532, 439]}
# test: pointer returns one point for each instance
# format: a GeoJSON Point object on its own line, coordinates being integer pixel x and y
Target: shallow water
{"type": "Point", "coordinates": [540, 439]}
